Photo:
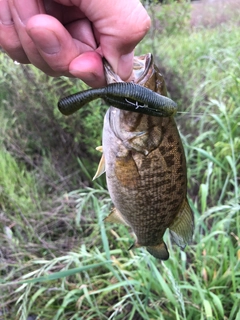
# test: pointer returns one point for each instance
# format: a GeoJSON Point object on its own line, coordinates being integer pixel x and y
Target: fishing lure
{"type": "Point", "coordinates": [125, 96]}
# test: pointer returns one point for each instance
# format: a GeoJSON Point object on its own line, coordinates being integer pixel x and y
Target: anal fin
{"type": "Point", "coordinates": [181, 229]}
{"type": "Point", "coordinates": [159, 251]}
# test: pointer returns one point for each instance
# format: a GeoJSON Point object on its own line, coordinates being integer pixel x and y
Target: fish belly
{"type": "Point", "coordinates": [147, 190]}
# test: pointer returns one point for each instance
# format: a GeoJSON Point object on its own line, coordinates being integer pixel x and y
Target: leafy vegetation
{"type": "Point", "coordinates": [59, 260]}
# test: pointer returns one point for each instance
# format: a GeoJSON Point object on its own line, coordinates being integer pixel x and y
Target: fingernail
{"type": "Point", "coordinates": [5, 16]}
{"type": "Point", "coordinates": [45, 40]}
{"type": "Point", "coordinates": [125, 66]}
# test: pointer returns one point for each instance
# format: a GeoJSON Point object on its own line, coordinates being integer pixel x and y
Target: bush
{"type": "Point", "coordinates": [50, 142]}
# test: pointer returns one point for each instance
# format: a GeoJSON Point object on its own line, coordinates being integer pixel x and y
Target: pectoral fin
{"type": "Point", "coordinates": [101, 165]}
{"type": "Point", "coordinates": [115, 216]}
{"type": "Point", "coordinates": [99, 148]}
{"type": "Point", "coordinates": [181, 229]}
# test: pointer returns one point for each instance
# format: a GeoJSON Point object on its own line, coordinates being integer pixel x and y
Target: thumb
{"type": "Point", "coordinates": [119, 56]}
{"type": "Point", "coordinates": [118, 27]}
{"type": "Point", "coordinates": [118, 49]}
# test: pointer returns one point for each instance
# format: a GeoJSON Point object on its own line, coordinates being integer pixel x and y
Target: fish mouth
{"type": "Point", "coordinates": [142, 70]}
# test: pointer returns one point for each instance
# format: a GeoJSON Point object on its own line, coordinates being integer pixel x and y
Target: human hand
{"type": "Point", "coordinates": [69, 37]}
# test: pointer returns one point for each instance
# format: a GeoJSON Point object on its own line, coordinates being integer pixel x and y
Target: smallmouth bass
{"type": "Point", "coordinates": [143, 158]}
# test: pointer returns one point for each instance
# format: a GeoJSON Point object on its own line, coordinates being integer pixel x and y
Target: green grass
{"type": "Point", "coordinates": [59, 260]}
{"type": "Point", "coordinates": [104, 280]}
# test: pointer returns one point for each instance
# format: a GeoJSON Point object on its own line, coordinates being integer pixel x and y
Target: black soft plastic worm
{"type": "Point", "coordinates": [123, 95]}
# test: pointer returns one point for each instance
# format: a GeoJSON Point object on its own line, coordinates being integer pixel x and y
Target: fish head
{"type": "Point", "coordinates": [137, 131]}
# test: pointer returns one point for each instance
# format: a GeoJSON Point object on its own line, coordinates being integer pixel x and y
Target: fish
{"type": "Point", "coordinates": [143, 158]}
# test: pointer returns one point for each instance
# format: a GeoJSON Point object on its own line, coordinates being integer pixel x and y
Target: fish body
{"type": "Point", "coordinates": [143, 156]}
{"type": "Point", "coordinates": [145, 166]}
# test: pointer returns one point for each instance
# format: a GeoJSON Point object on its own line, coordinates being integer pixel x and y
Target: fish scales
{"type": "Point", "coordinates": [156, 182]}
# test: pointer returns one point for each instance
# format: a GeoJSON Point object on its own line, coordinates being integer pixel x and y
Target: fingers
{"type": "Point", "coordinates": [89, 67]}
{"type": "Point", "coordinates": [43, 41]}
{"type": "Point", "coordinates": [54, 48]}
{"type": "Point", "coordinates": [41, 37]}
{"type": "Point", "coordinates": [90, 30]}
{"type": "Point", "coordinates": [62, 53]}
{"type": "Point", "coordinates": [119, 27]}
